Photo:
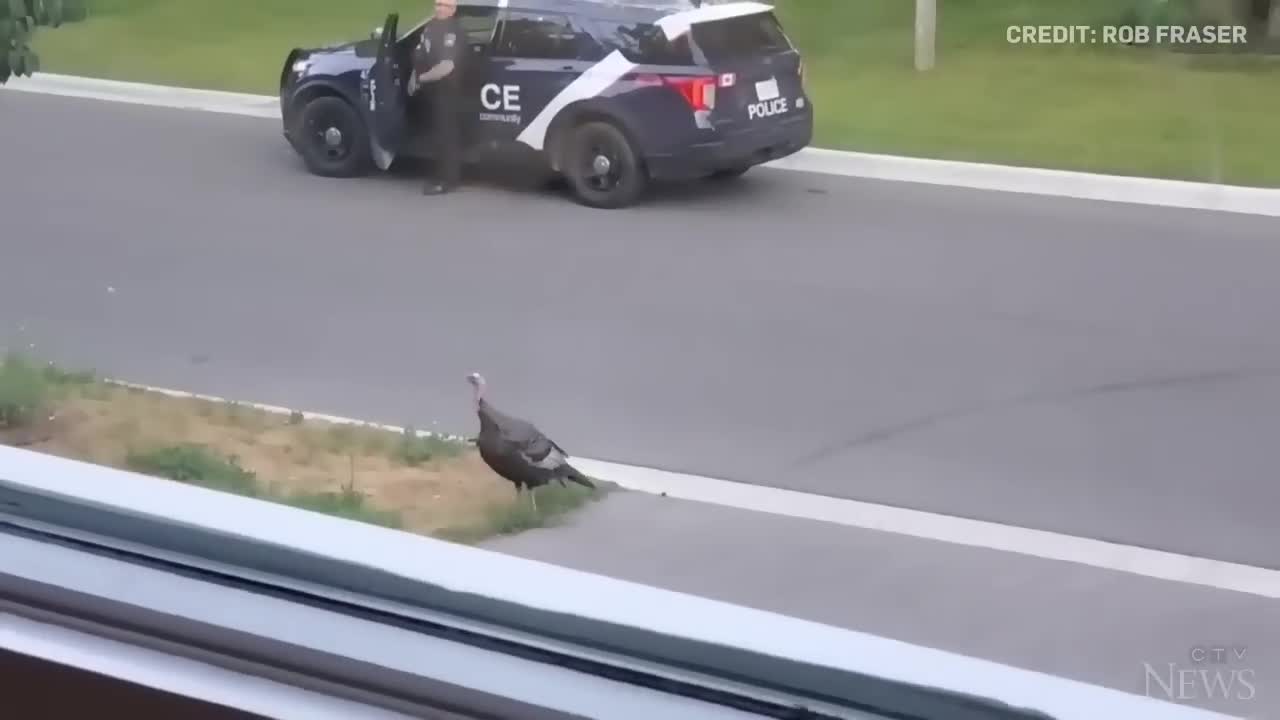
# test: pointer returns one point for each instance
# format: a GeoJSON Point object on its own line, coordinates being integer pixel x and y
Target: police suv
{"type": "Point", "coordinates": [610, 94]}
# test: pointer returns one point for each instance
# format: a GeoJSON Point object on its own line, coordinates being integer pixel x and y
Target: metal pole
{"type": "Point", "coordinates": [926, 32]}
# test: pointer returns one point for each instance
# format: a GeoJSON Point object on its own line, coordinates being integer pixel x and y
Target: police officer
{"type": "Point", "coordinates": [440, 53]}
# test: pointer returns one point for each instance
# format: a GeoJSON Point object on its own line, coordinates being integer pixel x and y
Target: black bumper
{"type": "Point", "coordinates": [743, 149]}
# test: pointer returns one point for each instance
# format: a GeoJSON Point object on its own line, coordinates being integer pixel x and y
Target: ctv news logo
{"type": "Point", "coordinates": [1209, 673]}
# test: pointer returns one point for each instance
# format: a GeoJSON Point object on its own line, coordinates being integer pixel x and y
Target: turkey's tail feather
{"type": "Point", "coordinates": [573, 475]}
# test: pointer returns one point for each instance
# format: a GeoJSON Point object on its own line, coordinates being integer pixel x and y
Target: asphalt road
{"type": "Point", "coordinates": [1089, 368]}
{"type": "Point", "coordinates": [1177, 643]}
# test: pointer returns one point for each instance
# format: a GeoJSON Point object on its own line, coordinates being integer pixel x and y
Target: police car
{"type": "Point", "coordinates": [610, 94]}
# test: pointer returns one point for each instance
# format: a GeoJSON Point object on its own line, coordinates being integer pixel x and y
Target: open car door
{"type": "Point", "coordinates": [386, 97]}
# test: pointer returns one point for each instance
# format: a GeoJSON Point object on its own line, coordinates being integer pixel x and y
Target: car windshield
{"type": "Point", "coordinates": [876, 358]}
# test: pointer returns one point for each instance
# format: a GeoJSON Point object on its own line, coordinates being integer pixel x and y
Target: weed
{"type": "Point", "coordinates": [196, 465]}
{"type": "Point", "coordinates": [376, 441]}
{"type": "Point", "coordinates": [135, 429]}
{"type": "Point", "coordinates": [554, 503]}
{"type": "Point", "coordinates": [24, 392]}
{"type": "Point", "coordinates": [340, 438]}
{"type": "Point", "coordinates": [347, 503]}
{"type": "Point", "coordinates": [413, 450]}
{"type": "Point", "coordinates": [233, 412]}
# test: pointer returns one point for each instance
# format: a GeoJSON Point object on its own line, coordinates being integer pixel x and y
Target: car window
{"type": "Point", "coordinates": [741, 37]}
{"type": "Point", "coordinates": [645, 43]}
{"type": "Point", "coordinates": [478, 23]}
{"type": "Point", "coordinates": [541, 36]}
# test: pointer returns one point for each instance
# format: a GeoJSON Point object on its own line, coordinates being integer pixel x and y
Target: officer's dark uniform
{"type": "Point", "coordinates": [443, 40]}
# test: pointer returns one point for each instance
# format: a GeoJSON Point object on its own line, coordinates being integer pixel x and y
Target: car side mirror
{"type": "Point", "coordinates": [376, 34]}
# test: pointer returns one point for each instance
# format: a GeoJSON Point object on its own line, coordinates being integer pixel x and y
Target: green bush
{"type": "Point", "coordinates": [196, 465]}
{"type": "Point", "coordinates": [24, 392]}
{"type": "Point", "coordinates": [19, 20]}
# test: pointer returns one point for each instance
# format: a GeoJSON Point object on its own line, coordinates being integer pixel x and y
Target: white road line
{"type": "Point", "coordinates": [1001, 178]}
{"type": "Point", "coordinates": [884, 518]}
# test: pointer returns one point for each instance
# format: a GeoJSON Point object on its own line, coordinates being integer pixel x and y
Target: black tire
{"type": "Point", "coordinates": [729, 174]}
{"type": "Point", "coordinates": [621, 184]}
{"type": "Point", "coordinates": [350, 156]}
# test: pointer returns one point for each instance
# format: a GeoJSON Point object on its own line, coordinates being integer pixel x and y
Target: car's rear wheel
{"type": "Point", "coordinates": [602, 167]}
{"type": "Point", "coordinates": [332, 138]}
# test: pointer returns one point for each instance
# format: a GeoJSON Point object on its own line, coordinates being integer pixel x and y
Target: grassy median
{"type": "Point", "coordinates": [420, 484]}
{"type": "Point", "coordinates": [1114, 109]}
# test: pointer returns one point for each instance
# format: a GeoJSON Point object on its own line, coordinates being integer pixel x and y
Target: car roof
{"type": "Point", "coordinates": [644, 11]}
{"type": "Point", "coordinates": [639, 10]}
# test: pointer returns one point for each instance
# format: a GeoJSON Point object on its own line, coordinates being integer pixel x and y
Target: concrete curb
{"type": "Point", "coordinates": [869, 516]}
{"type": "Point", "coordinates": [1038, 181]}
{"type": "Point", "coordinates": [977, 176]}
{"type": "Point", "coordinates": [217, 101]}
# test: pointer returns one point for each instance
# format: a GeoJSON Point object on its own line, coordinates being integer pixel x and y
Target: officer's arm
{"type": "Point", "coordinates": [449, 53]}
{"type": "Point", "coordinates": [441, 70]}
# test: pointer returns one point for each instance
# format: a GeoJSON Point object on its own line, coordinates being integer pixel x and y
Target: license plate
{"type": "Point", "coordinates": [767, 90]}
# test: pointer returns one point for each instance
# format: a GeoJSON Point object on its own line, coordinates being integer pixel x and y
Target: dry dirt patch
{"type": "Point", "coordinates": [420, 484]}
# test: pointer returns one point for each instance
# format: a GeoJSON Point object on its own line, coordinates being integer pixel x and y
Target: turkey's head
{"type": "Point", "coordinates": [477, 382]}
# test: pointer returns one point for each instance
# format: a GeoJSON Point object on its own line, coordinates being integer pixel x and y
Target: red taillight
{"type": "Point", "coordinates": [699, 92]}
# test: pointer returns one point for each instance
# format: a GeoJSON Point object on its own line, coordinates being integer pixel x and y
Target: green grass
{"type": "Point", "coordinates": [408, 447]}
{"type": "Point", "coordinates": [201, 466]}
{"type": "Point", "coordinates": [349, 503]}
{"type": "Point", "coordinates": [204, 467]}
{"type": "Point", "coordinates": [31, 389]}
{"type": "Point", "coordinates": [554, 504]}
{"type": "Point", "coordinates": [24, 392]}
{"type": "Point", "coordinates": [28, 388]}
{"type": "Point", "coordinates": [196, 465]}
{"type": "Point", "coordinates": [229, 45]}
{"type": "Point", "coordinates": [414, 449]}
{"type": "Point", "coordinates": [1115, 110]}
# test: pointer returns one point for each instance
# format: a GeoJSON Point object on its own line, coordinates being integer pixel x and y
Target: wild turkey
{"type": "Point", "coordinates": [518, 451]}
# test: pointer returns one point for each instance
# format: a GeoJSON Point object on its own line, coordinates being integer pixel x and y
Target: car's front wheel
{"type": "Point", "coordinates": [332, 138]}
{"type": "Point", "coordinates": [602, 167]}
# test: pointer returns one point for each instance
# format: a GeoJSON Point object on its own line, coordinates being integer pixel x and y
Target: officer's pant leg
{"type": "Point", "coordinates": [429, 121]}
{"type": "Point", "coordinates": [448, 150]}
